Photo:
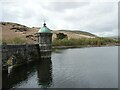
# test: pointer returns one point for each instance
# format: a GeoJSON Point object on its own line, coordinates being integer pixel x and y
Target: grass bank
{"type": "Point", "coordinates": [83, 42]}
{"type": "Point", "coordinates": [16, 40]}
{"type": "Point", "coordinates": [70, 43]}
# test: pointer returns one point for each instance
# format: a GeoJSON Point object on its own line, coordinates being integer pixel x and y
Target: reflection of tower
{"type": "Point", "coordinates": [44, 71]}
{"type": "Point", "coordinates": [45, 41]}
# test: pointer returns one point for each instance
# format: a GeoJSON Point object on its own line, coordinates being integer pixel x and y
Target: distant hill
{"type": "Point", "coordinates": [12, 30]}
{"type": "Point", "coordinates": [79, 32]}
{"type": "Point", "coordinates": [114, 37]}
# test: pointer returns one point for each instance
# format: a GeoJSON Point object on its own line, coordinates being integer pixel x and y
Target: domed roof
{"type": "Point", "coordinates": [44, 29]}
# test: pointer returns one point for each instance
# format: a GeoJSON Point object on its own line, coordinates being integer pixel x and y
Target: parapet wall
{"type": "Point", "coordinates": [17, 54]}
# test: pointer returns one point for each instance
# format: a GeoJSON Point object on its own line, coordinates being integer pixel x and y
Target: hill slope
{"type": "Point", "coordinates": [12, 30]}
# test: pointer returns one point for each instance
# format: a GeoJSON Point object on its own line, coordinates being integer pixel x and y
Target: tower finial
{"type": "Point", "coordinates": [44, 24]}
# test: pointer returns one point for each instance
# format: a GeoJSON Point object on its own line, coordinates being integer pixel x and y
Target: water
{"type": "Point", "coordinates": [95, 67]}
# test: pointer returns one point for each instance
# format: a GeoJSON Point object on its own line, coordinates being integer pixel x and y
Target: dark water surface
{"type": "Point", "coordinates": [95, 67]}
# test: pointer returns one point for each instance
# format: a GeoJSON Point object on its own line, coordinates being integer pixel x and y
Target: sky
{"type": "Point", "coordinates": [97, 17]}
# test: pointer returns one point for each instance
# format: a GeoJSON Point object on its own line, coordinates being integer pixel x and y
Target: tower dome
{"type": "Point", "coordinates": [44, 29]}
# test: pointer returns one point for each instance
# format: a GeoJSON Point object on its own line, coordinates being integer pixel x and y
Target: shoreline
{"type": "Point", "coordinates": [81, 46]}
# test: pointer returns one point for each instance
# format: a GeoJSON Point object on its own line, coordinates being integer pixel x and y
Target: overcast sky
{"type": "Point", "coordinates": [100, 18]}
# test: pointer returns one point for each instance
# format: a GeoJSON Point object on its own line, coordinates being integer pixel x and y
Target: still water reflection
{"type": "Point", "coordinates": [44, 73]}
{"type": "Point", "coordinates": [34, 75]}
{"type": "Point", "coordinates": [95, 67]}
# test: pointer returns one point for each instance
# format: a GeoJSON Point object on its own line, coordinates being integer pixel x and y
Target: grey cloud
{"type": "Point", "coordinates": [88, 16]}
{"type": "Point", "coordinates": [62, 6]}
{"type": "Point", "coordinates": [98, 17]}
{"type": "Point", "coordinates": [17, 11]}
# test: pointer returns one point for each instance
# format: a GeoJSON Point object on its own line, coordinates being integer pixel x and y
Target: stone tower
{"type": "Point", "coordinates": [45, 42]}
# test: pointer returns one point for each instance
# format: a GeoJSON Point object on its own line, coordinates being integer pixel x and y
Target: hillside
{"type": "Point", "coordinates": [79, 32]}
{"type": "Point", "coordinates": [74, 34]}
{"type": "Point", "coordinates": [13, 30]}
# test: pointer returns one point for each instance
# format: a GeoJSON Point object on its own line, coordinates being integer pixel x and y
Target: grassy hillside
{"type": "Point", "coordinates": [79, 32]}
{"type": "Point", "coordinates": [74, 34]}
{"type": "Point", "coordinates": [13, 33]}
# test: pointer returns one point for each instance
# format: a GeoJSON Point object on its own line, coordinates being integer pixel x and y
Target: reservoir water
{"type": "Point", "coordinates": [94, 67]}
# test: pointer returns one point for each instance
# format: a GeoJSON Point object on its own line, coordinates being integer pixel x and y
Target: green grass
{"type": "Point", "coordinates": [83, 41]}
{"type": "Point", "coordinates": [16, 40]}
{"type": "Point", "coordinates": [68, 42]}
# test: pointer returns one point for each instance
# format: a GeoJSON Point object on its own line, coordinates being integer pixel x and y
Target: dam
{"type": "Point", "coordinates": [13, 55]}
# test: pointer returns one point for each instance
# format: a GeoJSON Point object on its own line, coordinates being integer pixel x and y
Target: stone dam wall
{"type": "Point", "coordinates": [19, 54]}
